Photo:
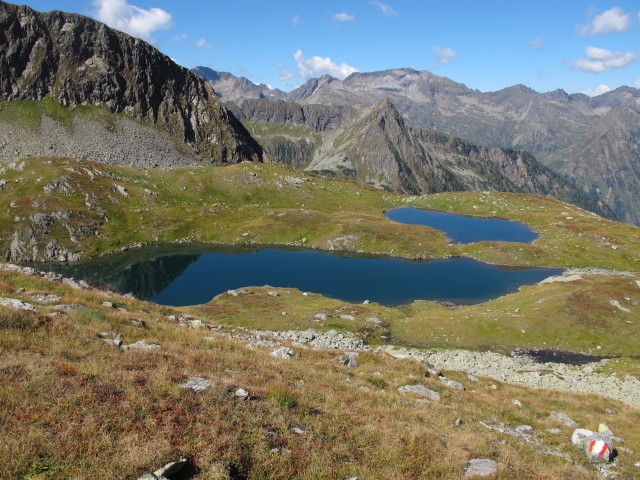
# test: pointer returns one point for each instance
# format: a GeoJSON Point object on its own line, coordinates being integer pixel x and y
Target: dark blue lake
{"type": "Point", "coordinates": [461, 229]}
{"type": "Point", "coordinates": [186, 275]}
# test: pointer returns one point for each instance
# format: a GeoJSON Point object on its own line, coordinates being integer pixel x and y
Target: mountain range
{"type": "Point", "coordinates": [377, 146]}
{"type": "Point", "coordinates": [71, 86]}
{"type": "Point", "coordinates": [591, 140]}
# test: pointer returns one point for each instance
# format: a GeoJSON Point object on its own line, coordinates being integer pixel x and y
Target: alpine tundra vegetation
{"type": "Point", "coordinates": [112, 153]}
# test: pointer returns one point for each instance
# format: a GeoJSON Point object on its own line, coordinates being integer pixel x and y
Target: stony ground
{"type": "Point", "coordinates": [526, 411]}
{"type": "Point", "coordinates": [124, 143]}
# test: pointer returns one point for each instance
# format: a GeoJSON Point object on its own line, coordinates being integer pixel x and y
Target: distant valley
{"type": "Point", "coordinates": [592, 141]}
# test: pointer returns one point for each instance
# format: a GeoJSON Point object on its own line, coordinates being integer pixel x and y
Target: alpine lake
{"type": "Point", "coordinates": [189, 274]}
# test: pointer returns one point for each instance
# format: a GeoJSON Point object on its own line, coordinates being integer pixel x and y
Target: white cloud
{"type": "Point", "coordinates": [444, 55]}
{"type": "Point", "coordinates": [295, 20]}
{"type": "Point", "coordinates": [343, 17]}
{"type": "Point", "coordinates": [601, 60]}
{"type": "Point", "coordinates": [537, 42]}
{"type": "Point", "coordinates": [177, 38]}
{"type": "Point", "coordinates": [286, 75]}
{"type": "Point", "coordinates": [202, 43]}
{"type": "Point", "coordinates": [599, 90]}
{"type": "Point", "coordinates": [386, 9]}
{"type": "Point", "coordinates": [638, 83]}
{"type": "Point", "coordinates": [611, 21]}
{"type": "Point", "coordinates": [133, 20]}
{"type": "Point", "coordinates": [283, 73]}
{"type": "Point", "coordinates": [317, 66]}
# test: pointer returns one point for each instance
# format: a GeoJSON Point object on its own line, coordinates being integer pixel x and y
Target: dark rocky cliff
{"type": "Point", "coordinates": [316, 117]}
{"type": "Point", "coordinates": [77, 61]}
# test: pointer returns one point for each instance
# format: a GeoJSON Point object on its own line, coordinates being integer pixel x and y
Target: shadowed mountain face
{"type": "Point", "coordinates": [377, 146]}
{"type": "Point", "coordinates": [607, 161]}
{"type": "Point", "coordinates": [571, 133]}
{"type": "Point", "coordinates": [76, 61]}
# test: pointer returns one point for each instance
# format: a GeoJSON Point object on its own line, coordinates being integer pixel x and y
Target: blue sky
{"type": "Point", "coordinates": [487, 45]}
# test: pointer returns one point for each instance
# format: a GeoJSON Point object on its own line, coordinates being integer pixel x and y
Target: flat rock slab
{"type": "Point", "coordinates": [142, 345]}
{"type": "Point", "coordinates": [16, 304]}
{"type": "Point", "coordinates": [420, 390]}
{"type": "Point", "coordinates": [480, 467]}
{"type": "Point", "coordinates": [197, 384]}
{"type": "Point", "coordinates": [451, 383]}
{"type": "Point", "coordinates": [67, 307]}
{"type": "Point", "coordinates": [564, 419]}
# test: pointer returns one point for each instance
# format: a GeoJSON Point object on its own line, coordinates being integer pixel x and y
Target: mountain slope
{"type": "Point", "coordinates": [232, 88]}
{"type": "Point", "coordinates": [607, 161]}
{"type": "Point", "coordinates": [376, 146]}
{"type": "Point", "coordinates": [77, 61]}
{"type": "Point", "coordinates": [554, 126]}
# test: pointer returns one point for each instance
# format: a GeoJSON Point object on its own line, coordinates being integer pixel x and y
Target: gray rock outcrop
{"type": "Point", "coordinates": [197, 384]}
{"type": "Point", "coordinates": [75, 60]}
{"type": "Point", "coordinates": [420, 390]}
{"type": "Point", "coordinates": [480, 467]}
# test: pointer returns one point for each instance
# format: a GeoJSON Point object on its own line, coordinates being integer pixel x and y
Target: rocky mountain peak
{"type": "Point", "coordinates": [386, 111]}
{"type": "Point", "coordinates": [75, 60]}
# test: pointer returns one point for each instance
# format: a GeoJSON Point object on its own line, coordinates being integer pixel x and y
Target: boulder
{"type": "Point", "coordinates": [350, 361]}
{"type": "Point", "coordinates": [241, 393]}
{"type": "Point", "coordinates": [597, 446]}
{"type": "Point", "coordinates": [197, 384]}
{"type": "Point", "coordinates": [480, 467]}
{"type": "Point", "coordinates": [16, 304]}
{"type": "Point", "coordinates": [70, 282]}
{"type": "Point", "coordinates": [122, 190]}
{"type": "Point", "coordinates": [47, 299]}
{"type": "Point", "coordinates": [420, 390]}
{"type": "Point", "coordinates": [451, 383]}
{"type": "Point", "coordinates": [564, 419]}
{"type": "Point", "coordinates": [166, 472]}
{"type": "Point", "coordinates": [142, 345]}
{"type": "Point", "coordinates": [112, 338]}
{"type": "Point", "coordinates": [283, 352]}
{"type": "Point", "coordinates": [66, 307]}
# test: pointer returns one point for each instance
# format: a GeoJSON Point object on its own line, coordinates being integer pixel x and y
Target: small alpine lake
{"type": "Point", "coordinates": [180, 275]}
{"type": "Point", "coordinates": [462, 229]}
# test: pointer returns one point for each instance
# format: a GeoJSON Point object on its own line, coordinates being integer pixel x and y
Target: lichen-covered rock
{"type": "Point", "coordinates": [142, 345]}
{"type": "Point", "coordinates": [563, 418]}
{"type": "Point", "coordinates": [283, 352]}
{"type": "Point", "coordinates": [451, 383]}
{"type": "Point", "coordinates": [480, 467]}
{"type": "Point", "coordinates": [16, 304]}
{"type": "Point", "coordinates": [197, 384]}
{"type": "Point", "coordinates": [420, 390]}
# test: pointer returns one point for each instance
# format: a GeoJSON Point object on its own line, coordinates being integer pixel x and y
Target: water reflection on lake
{"type": "Point", "coordinates": [191, 274]}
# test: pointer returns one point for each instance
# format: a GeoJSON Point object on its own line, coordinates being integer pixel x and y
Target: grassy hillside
{"type": "Point", "coordinates": [95, 209]}
{"type": "Point", "coordinates": [74, 407]}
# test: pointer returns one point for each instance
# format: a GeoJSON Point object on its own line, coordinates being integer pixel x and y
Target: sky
{"type": "Point", "coordinates": [578, 46]}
